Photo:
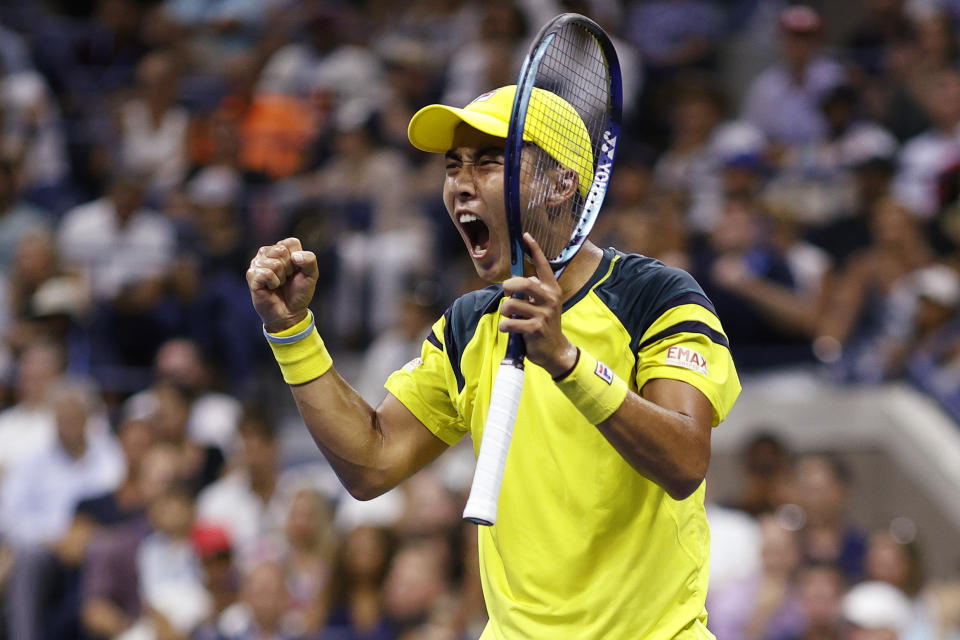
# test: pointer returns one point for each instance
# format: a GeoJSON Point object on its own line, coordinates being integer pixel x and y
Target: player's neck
{"type": "Point", "coordinates": [580, 269]}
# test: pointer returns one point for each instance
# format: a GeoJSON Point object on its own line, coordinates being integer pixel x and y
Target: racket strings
{"type": "Point", "coordinates": [574, 68]}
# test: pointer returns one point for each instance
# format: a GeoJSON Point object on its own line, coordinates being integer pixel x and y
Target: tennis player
{"type": "Point", "coordinates": [601, 531]}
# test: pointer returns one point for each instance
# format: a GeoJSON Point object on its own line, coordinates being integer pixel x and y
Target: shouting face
{"type": "Point", "coordinates": [473, 195]}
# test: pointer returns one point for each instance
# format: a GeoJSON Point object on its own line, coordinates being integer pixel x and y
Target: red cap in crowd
{"type": "Point", "coordinates": [801, 19]}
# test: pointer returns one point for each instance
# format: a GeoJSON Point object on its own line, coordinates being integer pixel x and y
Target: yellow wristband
{"type": "Point", "coordinates": [593, 388]}
{"type": "Point", "coordinates": [306, 358]}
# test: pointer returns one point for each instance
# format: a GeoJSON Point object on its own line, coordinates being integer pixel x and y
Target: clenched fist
{"type": "Point", "coordinates": [282, 278]}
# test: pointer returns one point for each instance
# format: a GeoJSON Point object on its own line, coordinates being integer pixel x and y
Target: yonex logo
{"type": "Point", "coordinates": [602, 175]}
{"type": "Point", "coordinates": [604, 372]}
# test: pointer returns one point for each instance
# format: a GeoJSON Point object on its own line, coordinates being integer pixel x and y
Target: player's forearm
{"type": "Point", "coordinates": [663, 434]}
{"type": "Point", "coordinates": [663, 445]}
{"type": "Point", "coordinates": [348, 432]}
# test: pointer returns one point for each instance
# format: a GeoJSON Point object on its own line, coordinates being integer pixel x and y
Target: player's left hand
{"type": "Point", "coordinates": [536, 315]}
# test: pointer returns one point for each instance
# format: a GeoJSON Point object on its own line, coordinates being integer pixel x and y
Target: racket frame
{"type": "Point", "coordinates": [481, 506]}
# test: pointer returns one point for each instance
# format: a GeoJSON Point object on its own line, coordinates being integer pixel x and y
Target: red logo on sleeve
{"type": "Point", "coordinates": [687, 358]}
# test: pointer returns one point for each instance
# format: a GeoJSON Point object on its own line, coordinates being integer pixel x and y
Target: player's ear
{"type": "Point", "coordinates": [565, 185]}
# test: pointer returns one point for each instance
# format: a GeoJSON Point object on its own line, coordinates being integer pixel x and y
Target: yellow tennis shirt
{"type": "Point", "coordinates": [584, 546]}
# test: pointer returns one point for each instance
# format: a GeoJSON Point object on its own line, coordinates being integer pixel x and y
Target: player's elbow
{"type": "Point", "coordinates": [683, 488]}
{"type": "Point", "coordinates": [689, 474]}
{"type": "Point", "coordinates": [367, 487]}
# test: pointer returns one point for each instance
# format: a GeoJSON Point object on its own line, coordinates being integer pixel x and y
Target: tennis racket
{"type": "Point", "coordinates": [559, 153]}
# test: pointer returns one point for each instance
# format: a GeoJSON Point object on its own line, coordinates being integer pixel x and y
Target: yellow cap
{"type": "Point", "coordinates": [552, 124]}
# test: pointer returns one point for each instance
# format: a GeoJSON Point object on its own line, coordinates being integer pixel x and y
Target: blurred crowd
{"type": "Point", "coordinates": [802, 161]}
{"type": "Point", "coordinates": [788, 562]}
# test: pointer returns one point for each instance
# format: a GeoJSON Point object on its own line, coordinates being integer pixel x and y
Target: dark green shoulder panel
{"type": "Point", "coordinates": [641, 289]}
{"type": "Point", "coordinates": [462, 318]}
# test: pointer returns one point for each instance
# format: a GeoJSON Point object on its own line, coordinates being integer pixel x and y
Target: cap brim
{"type": "Point", "coordinates": [431, 129]}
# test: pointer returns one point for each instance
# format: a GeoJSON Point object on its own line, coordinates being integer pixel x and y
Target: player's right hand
{"type": "Point", "coordinates": [282, 278]}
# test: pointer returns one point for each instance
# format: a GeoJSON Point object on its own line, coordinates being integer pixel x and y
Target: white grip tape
{"type": "Point", "coordinates": [482, 504]}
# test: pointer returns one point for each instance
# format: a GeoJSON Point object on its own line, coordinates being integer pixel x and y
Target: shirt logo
{"type": "Point", "coordinates": [687, 358]}
{"type": "Point", "coordinates": [413, 364]}
{"type": "Point", "coordinates": [604, 372]}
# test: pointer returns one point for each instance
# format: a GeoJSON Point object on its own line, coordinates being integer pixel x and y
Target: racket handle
{"type": "Point", "coordinates": [497, 432]}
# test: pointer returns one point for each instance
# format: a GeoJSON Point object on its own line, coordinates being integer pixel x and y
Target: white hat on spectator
{"type": "Point", "coordinates": [737, 139]}
{"type": "Point", "coordinates": [214, 186]}
{"type": "Point", "coordinates": [877, 605]}
{"type": "Point", "coordinates": [867, 143]}
{"type": "Point", "coordinates": [61, 295]}
{"type": "Point", "coordinates": [938, 283]}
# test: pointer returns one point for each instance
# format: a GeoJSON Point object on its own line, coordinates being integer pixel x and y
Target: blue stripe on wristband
{"type": "Point", "coordinates": [297, 337]}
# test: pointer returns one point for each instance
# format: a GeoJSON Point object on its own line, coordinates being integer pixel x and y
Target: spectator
{"type": "Point", "coordinates": [214, 415]}
{"type": "Point", "coordinates": [889, 560]}
{"type": "Point", "coordinates": [767, 467]}
{"type": "Point", "coordinates": [821, 485]}
{"type": "Point", "coordinates": [400, 343]}
{"type": "Point", "coordinates": [48, 584]}
{"type": "Point", "coordinates": [247, 502]}
{"type": "Point", "coordinates": [220, 578]}
{"type": "Point", "coordinates": [817, 177]}
{"type": "Point", "coordinates": [37, 292]}
{"type": "Point", "coordinates": [29, 426]}
{"type": "Point", "coordinates": [154, 128]}
{"type": "Point", "coordinates": [215, 30]}
{"type": "Point", "coordinates": [384, 238]}
{"type": "Point", "coordinates": [17, 217]}
{"type": "Point", "coordinates": [31, 132]}
{"type": "Point", "coordinates": [690, 164]}
{"type": "Point", "coordinates": [822, 588]}
{"type": "Point", "coordinates": [265, 600]}
{"type": "Point", "coordinates": [749, 281]}
{"type": "Point", "coordinates": [926, 156]}
{"type": "Point", "coordinates": [860, 311]}
{"type": "Point", "coordinates": [39, 496]}
{"type": "Point", "coordinates": [110, 598]}
{"type": "Point", "coordinates": [173, 598]}
{"type": "Point", "coordinates": [416, 593]}
{"type": "Point", "coordinates": [41, 490]}
{"type": "Point", "coordinates": [307, 555]}
{"type": "Point", "coordinates": [124, 251]}
{"type": "Point", "coordinates": [357, 607]}
{"type": "Point", "coordinates": [783, 101]}
{"type": "Point", "coordinates": [199, 464]}
{"type": "Point", "coordinates": [492, 58]}
{"type": "Point", "coordinates": [848, 235]}
{"type": "Point", "coordinates": [765, 605]}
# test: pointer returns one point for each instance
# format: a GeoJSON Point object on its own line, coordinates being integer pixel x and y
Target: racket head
{"type": "Point", "coordinates": [562, 138]}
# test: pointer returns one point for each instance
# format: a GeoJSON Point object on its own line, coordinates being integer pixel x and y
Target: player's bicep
{"type": "Point", "coordinates": [683, 398]}
{"type": "Point", "coordinates": [409, 444]}
{"type": "Point", "coordinates": [687, 344]}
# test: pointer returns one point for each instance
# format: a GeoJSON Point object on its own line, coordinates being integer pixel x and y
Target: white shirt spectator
{"type": "Point", "coordinates": [40, 492]}
{"type": "Point", "coordinates": [160, 148]}
{"type": "Point", "coordinates": [91, 238]}
{"type": "Point", "coordinates": [231, 503]}
{"type": "Point", "coordinates": [24, 431]}
{"type": "Point", "coordinates": [789, 112]}
{"type": "Point", "coordinates": [32, 126]}
{"type": "Point", "coordinates": [922, 159]}
{"type": "Point", "coordinates": [171, 583]}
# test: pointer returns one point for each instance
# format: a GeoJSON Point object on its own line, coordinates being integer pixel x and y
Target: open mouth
{"type": "Point", "coordinates": [478, 235]}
